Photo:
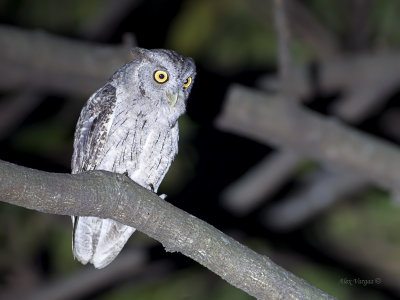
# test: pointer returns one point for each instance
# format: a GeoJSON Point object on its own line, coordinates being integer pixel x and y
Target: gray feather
{"type": "Point", "coordinates": [129, 126]}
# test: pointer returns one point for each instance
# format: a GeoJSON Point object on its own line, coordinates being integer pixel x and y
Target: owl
{"type": "Point", "coordinates": [129, 126]}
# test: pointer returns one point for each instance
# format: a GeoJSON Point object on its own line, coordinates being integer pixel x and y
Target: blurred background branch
{"type": "Point", "coordinates": [328, 141]}
{"type": "Point", "coordinates": [44, 61]}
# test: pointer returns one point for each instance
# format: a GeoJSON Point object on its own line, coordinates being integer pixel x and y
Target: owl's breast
{"type": "Point", "coordinates": [140, 146]}
{"type": "Point", "coordinates": [156, 156]}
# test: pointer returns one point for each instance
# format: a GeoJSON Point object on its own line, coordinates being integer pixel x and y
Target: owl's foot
{"type": "Point", "coordinates": [151, 188]}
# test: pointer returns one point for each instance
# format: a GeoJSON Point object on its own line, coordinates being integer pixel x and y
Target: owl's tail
{"type": "Point", "coordinates": [98, 241]}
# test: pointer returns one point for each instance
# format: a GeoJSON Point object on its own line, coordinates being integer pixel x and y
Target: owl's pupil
{"type": "Point", "coordinates": [161, 76]}
{"type": "Point", "coordinates": [186, 81]}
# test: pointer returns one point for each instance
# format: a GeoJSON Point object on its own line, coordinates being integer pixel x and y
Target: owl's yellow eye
{"type": "Point", "coordinates": [187, 82]}
{"type": "Point", "coordinates": [160, 76]}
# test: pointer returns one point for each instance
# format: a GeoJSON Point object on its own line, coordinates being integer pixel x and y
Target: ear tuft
{"type": "Point", "coordinates": [138, 52]}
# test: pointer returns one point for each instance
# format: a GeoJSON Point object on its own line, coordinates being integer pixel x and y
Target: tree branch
{"type": "Point", "coordinates": [259, 182]}
{"type": "Point", "coordinates": [266, 119]}
{"type": "Point", "coordinates": [319, 192]}
{"type": "Point", "coordinates": [283, 49]}
{"type": "Point", "coordinates": [110, 195]}
{"type": "Point", "coordinates": [44, 61]}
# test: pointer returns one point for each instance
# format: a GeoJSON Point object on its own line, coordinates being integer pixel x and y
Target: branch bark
{"type": "Point", "coordinates": [110, 195]}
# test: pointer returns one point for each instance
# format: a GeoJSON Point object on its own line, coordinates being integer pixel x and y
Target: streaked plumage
{"type": "Point", "coordinates": [130, 125]}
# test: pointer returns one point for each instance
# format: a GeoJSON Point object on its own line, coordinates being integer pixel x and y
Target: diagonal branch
{"type": "Point", "coordinates": [319, 192]}
{"type": "Point", "coordinates": [259, 182]}
{"type": "Point", "coordinates": [109, 195]}
{"type": "Point", "coordinates": [266, 119]}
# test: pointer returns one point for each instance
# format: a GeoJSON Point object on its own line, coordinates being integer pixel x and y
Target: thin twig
{"type": "Point", "coordinates": [283, 49]}
{"type": "Point", "coordinates": [259, 182]}
{"type": "Point", "coordinates": [245, 194]}
{"type": "Point", "coordinates": [306, 27]}
{"type": "Point", "coordinates": [104, 23]}
{"type": "Point", "coordinates": [14, 109]}
{"type": "Point", "coordinates": [322, 190]}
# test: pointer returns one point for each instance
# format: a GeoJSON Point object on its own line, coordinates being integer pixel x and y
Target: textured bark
{"type": "Point", "coordinates": [109, 195]}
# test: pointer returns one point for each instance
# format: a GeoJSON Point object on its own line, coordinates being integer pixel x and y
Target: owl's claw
{"type": "Point", "coordinates": [162, 196]}
{"type": "Point", "coordinates": [151, 187]}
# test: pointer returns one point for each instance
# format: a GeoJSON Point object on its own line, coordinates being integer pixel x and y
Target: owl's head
{"type": "Point", "coordinates": [162, 78]}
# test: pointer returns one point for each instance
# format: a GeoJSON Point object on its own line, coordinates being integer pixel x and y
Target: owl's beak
{"type": "Point", "coordinates": [173, 97]}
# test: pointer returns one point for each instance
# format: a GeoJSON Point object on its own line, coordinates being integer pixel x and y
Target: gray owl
{"type": "Point", "coordinates": [130, 126]}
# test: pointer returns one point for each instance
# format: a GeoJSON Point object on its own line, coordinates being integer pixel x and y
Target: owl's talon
{"type": "Point", "coordinates": [151, 187]}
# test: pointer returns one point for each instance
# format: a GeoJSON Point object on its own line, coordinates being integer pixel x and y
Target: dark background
{"type": "Point", "coordinates": [356, 237]}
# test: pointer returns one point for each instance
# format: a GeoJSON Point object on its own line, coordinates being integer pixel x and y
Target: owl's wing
{"type": "Point", "coordinates": [90, 136]}
{"type": "Point", "coordinates": [92, 128]}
